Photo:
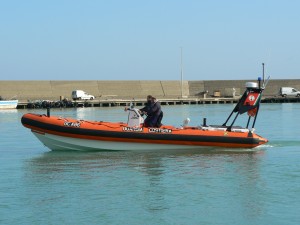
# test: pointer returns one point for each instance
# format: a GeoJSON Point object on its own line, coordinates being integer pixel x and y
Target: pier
{"type": "Point", "coordinates": [141, 102]}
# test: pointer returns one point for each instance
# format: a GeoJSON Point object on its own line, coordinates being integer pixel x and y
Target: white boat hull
{"type": "Point", "coordinates": [55, 142]}
{"type": "Point", "coordinates": [11, 104]}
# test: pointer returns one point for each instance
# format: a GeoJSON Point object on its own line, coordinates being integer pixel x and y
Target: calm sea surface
{"type": "Point", "coordinates": [38, 186]}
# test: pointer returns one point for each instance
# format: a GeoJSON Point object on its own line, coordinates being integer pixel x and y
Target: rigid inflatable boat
{"type": "Point", "coordinates": [59, 133]}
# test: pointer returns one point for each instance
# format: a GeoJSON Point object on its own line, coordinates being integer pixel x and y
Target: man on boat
{"type": "Point", "coordinates": [153, 111]}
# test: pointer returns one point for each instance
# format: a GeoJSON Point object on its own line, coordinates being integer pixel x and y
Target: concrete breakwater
{"type": "Point", "coordinates": [125, 90]}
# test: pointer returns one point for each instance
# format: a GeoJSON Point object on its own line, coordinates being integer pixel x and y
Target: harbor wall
{"type": "Point", "coordinates": [53, 90]}
{"type": "Point", "coordinates": [225, 86]}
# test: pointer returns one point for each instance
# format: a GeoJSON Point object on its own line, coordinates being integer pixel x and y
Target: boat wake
{"type": "Point", "coordinates": [280, 143]}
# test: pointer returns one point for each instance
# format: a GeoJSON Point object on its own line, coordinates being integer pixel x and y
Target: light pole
{"type": "Point", "coordinates": [181, 72]}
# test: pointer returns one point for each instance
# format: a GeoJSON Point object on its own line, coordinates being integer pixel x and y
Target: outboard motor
{"type": "Point", "coordinates": [134, 118]}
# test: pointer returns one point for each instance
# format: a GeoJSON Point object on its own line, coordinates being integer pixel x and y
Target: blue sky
{"type": "Point", "coordinates": [141, 40]}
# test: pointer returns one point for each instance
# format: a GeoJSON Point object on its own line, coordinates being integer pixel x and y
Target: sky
{"type": "Point", "coordinates": [142, 40]}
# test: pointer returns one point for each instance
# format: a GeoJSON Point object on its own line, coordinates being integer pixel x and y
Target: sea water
{"type": "Point", "coordinates": [205, 186]}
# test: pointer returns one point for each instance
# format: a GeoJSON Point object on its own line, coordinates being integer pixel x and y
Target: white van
{"type": "Point", "coordinates": [289, 91]}
{"type": "Point", "coordinates": [81, 95]}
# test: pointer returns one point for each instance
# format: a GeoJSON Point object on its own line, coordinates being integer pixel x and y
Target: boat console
{"type": "Point", "coordinates": [134, 118]}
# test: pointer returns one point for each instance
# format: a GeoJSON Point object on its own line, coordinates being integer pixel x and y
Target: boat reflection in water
{"type": "Point", "coordinates": [150, 181]}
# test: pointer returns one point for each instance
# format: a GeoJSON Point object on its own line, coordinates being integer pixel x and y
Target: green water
{"type": "Point", "coordinates": [207, 186]}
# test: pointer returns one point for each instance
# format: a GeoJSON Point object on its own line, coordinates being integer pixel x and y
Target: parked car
{"type": "Point", "coordinates": [81, 95]}
{"type": "Point", "coordinates": [289, 91]}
